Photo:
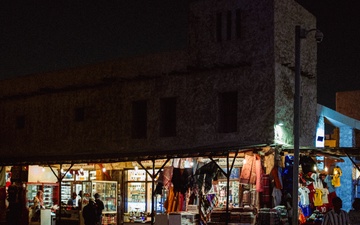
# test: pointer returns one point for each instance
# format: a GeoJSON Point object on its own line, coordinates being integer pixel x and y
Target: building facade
{"type": "Point", "coordinates": [228, 89]}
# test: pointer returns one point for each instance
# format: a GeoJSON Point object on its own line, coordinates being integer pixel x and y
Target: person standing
{"type": "Point", "coordinates": [38, 204]}
{"type": "Point", "coordinates": [80, 200]}
{"type": "Point", "coordinates": [72, 201]}
{"type": "Point", "coordinates": [336, 216]}
{"type": "Point", "coordinates": [354, 214]}
{"type": "Point", "coordinates": [89, 213]}
{"type": "Point", "coordinates": [100, 207]}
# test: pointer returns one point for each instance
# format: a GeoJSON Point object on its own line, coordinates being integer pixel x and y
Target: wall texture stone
{"type": "Point", "coordinates": [258, 65]}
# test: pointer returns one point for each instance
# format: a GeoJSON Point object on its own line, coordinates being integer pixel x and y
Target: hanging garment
{"type": "Point", "coordinates": [325, 198]}
{"type": "Point", "coordinates": [287, 173]}
{"type": "Point", "coordinates": [205, 175]}
{"type": "Point", "coordinates": [167, 176]}
{"type": "Point", "coordinates": [176, 179]}
{"type": "Point", "coordinates": [266, 192]}
{"type": "Point", "coordinates": [311, 188]}
{"type": "Point", "coordinates": [306, 209]}
{"type": "Point", "coordinates": [275, 175]}
{"type": "Point", "coordinates": [269, 163]}
{"type": "Point", "coordinates": [185, 179]}
{"type": "Point", "coordinates": [277, 196]}
{"type": "Point", "coordinates": [259, 174]}
{"type": "Point", "coordinates": [318, 197]}
{"type": "Point", "coordinates": [317, 180]}
{"type": "Point", "coordinates": [304, 195]}
{"type": "Point", "coordinates": [336, 177]}
{"type": "Point", "coordinates": [253, 171]}
{"type": "Point", "coordinates": [246, 170]}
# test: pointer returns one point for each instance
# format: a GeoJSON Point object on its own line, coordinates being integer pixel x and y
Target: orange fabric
{"type": "Point", "coordinates": [169, 201]}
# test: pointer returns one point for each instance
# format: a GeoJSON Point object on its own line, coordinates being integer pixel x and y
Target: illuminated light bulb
{"type": "Point", "coordinates": [104, 169]}
{"type": "Point", "coordinates": [81, 170]}
{"type": "Point", "coordinates": [315, 168]}
{"type": "Point", "coordinates": [326, 169]}
{"type": "Point", "coordinates": [62, 170]}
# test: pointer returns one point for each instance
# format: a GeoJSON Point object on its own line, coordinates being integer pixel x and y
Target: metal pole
{"type": "Point", "coordinates": [297, 103]}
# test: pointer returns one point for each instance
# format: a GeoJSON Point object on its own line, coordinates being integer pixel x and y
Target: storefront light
{"type": "Point", "coordinates": [104, 169]}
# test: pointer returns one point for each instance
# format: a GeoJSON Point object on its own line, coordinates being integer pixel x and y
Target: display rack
{"type": "Point", "coordinates": [50, 193]}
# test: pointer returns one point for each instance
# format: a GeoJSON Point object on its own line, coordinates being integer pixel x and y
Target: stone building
{"type": "Point", "coordinates": [227, 89]}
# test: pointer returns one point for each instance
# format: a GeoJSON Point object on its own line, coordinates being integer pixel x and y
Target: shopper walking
{"type": "Point", "coordinates": [99, 207]}
{"type": "Point", "coordinates": [336, 216]}
{"type": "Point", "coordinates": [90, 213]}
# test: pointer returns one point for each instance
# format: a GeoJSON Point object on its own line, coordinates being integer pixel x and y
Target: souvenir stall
{"type": "Point", "coordinates": [215, 191]}
{"type": "Point", "coordinates": [319, 177]}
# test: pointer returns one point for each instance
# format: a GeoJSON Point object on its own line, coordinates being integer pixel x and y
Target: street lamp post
{"type": "Point", "coordinates": [300, 33]}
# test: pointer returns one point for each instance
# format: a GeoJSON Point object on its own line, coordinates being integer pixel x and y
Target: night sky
{"type": "Point", "coordinates": [41, 35]}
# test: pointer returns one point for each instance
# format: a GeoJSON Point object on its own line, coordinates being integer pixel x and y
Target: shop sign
{"type": "Point", "coordinates": [238, 162]}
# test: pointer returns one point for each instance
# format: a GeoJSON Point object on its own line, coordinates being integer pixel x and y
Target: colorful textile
{"type": "Point", "coordinates": [325, 198]}
{"type": "Point", "coordinates": [259, 174]}
{"type": "Point", "coordinates": [304, 195]}
{"type": "Point", "coordinates": [318, 197]}
{"type": "Point", "coordinates": [246, 170]}
{"type": "Point", "coordinates": [266, 192]}
{"type": "Point", "coordinates": [306, 210]}
{"type": "Point", "coordinates": [336, 177]}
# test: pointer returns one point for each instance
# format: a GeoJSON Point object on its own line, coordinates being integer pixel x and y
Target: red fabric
{"type": "Point", "coordinates": [266, 192]}
{"type": "Point", "coordinates": [312, 192]}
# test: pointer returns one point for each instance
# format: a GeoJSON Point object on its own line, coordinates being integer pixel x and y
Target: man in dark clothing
{"type": "Point", "coordinates": [336, 216]}
{"type": "Point", "coordinates": [100, 207]}
{"type": "Point", "coordinates": [90, 213]}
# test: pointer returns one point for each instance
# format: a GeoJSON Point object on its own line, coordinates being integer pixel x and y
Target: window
{"type": "Point", "coordinates": [168, 117]}
{"type": "Point", "coordinates": [139, 119]}
{"type": "Point", "coordinates": [20, 122]}
{"type": "Point", "coordinates": [228, 24]}
{"type": "Point", "coordinates": [218, 28]}
{"type": "Point", "coordinates": [79, 114]}
{"type": "Point", "coordinates": [228, 104]}
{"type": "Point", "coordinates": [238, 23]}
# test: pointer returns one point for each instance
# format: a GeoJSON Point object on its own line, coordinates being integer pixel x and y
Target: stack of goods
{"type": "Point", "coordinates": [267, 216]}
{"type": "Point", "coordinates": [243, 215]}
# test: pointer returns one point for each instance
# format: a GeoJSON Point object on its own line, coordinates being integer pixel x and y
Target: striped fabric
{"type": "Point", "coordinates": [332, 218]}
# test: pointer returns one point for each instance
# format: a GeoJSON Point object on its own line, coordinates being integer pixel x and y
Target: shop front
{"type": "Point", "coordinates": [247, 186]}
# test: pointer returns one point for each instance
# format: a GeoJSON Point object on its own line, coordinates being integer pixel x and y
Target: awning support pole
{"type": "Point", "coordinates": [153, 175]}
